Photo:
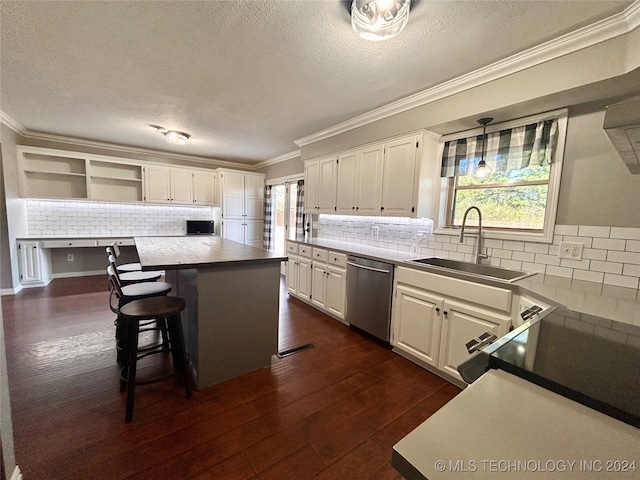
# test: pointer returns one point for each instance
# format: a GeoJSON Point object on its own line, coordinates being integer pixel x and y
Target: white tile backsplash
{"type": "Point", "coordinates": [68, 218]}
{"type": "Point", "coordinates": [611, 255]}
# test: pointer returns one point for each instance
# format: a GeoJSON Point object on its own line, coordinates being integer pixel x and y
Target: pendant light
{"type": "Point", "coordinates": [482, 169]}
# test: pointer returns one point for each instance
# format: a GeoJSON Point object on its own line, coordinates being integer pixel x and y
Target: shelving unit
{"type": "Point", "coordinates": [51, 173]}
{"type": "Point", "coordinates": [53, 176]}
{"type": "Point", "coordinates": [115, 181]}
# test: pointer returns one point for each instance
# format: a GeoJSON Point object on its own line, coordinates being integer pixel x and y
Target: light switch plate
{"type": "Point", "coordinates": [571, 250]}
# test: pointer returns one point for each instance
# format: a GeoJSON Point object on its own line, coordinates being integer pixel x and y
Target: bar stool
{"type": "Point", "coordinates": [114, 250]}
{"type": "Point", "coordinates": [161, 309]}
{"type": "Point", "coordinates": [128, 278]}
{"type": "Point", "coordinates": [126, 294]}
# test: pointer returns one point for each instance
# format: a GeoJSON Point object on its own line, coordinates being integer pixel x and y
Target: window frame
{"type": "Point", "coordinates": [444, 196]}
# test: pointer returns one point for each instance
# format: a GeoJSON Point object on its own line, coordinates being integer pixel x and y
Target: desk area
{"type": "Point", "coordinates": [232, 296]}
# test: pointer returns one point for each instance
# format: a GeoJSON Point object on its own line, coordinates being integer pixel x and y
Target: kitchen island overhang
{"type": "Point", "coordinates": [232, 293]}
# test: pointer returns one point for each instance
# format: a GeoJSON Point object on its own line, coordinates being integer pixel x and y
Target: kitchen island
{"type": "Point", "coordinates": [232, 296]}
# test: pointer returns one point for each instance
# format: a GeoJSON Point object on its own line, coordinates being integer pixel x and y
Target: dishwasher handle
{"type": "Point", "coordinates": [368, 268]}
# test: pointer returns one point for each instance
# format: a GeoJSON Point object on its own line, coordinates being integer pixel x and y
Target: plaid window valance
{"type": "Point", "coordinates": [506, 150]}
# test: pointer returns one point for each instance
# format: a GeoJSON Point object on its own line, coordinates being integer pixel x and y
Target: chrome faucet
{"type": "Point", "coordinates": [479, 254]}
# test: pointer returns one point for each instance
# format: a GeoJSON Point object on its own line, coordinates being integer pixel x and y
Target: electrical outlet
{"type": "Point", "coordinates": [70, 257]}
{"type": "Point", "coordinates": [571, 250]}
{"type": "Point", "coordinates": [375, 231]}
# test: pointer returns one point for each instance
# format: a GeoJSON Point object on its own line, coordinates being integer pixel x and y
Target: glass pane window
{"type": "Point", "coordinates": [278, 198]}
{"type": "Point", "coordinates": [509, 200]}
{"type": "Point", "coordinates": [293, 197]}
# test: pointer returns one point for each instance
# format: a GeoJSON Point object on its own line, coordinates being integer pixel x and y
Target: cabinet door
{"type": "Point", "coordinates": [291, 277]}
{"type": "Point", "coordinates": [253, 197]}
{"type": "Point", "coordinates": [232, 195]}
{"type": "Point", "coordinates": [416, 323]}
{"type": "Point", "coordinates": [460, 324]}
{"type": "Point", "coordinates": [253, 233]}
{"type": "Point", "coordinates": [327, 185]}
{"type": "Point", "coordinates": [336, 289]}
{"type": "Point", "coordinates": [204, 191]}
{"type": "Point", "coordinates": [369, 186]}
{"type": "Point", "coordinates": [233, 229]}
{"type": "Point", "coordinates": [311, 183]}
{"type": "Point", "coordinates": [182, 186]}
{"type": "Point", "coordinates": [347, 193]}
{"type": "Point", "coordinates": [303, 287]}
{"type": "Point", "coordinates": [157, 184]}
{"type": "Point", "coordinates": [29, 262]}
{"type": "Point", "coordinates": [399, 184]}
{"type": "Point", "coordinates": [319, 284]}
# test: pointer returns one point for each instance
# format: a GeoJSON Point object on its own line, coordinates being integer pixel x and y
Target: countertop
{"type": "Point", "coordinates": [505, 427]}
{"type": "Point", "coordinates": [170, 253]}
{"type": "Point", "coordinates": [605, 301]}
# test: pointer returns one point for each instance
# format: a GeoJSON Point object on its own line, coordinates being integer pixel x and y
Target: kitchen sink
{"type": "Point", "coordinates": [474, 269]}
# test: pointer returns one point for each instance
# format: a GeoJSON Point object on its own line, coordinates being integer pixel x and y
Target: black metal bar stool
{"type": "Point", "coordinates": [128, 278]}
{"type": "Point", "coordinates": [126, 294]}
{"type": "Point", "coordinates": [114, 250]}
{"type": "Point", "coordinates": [160, 309]}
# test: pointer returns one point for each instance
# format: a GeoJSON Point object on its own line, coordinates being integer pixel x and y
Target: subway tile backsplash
{"type": "Point", "coordinates": [611, 255]}
{"type": "Point", "coordinates": [67, 218]}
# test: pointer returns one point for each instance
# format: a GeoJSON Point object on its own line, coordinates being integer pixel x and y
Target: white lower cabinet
{"type": "Point", "coordinates": [248, 232]}
{"type": "Point", "coordinates": [317, 276]}
{"type": "Point", "coordinates": [33, 264]}
{"type": "Point", "coordinates": [417, 323]}
{"type": "Point", "coordinates": [433, 327]}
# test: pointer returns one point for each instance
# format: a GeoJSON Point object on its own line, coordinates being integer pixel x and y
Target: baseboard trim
{"type": "Point", "coordinates": [17, 474]}
{"type": "Point", "coordinates": [10, 291]}
{"type": "Point", "coordinates": [89, 273]}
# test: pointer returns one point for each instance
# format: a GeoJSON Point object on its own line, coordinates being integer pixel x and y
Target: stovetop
{"type": "Point", "coordinates": [591, 360]}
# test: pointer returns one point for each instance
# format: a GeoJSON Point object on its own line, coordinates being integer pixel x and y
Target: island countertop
{"type": "Point", "coordinates": [170, 253]}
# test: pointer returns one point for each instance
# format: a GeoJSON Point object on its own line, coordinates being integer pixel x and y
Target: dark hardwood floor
{"type": "Point", "coordinates": [331, 412]}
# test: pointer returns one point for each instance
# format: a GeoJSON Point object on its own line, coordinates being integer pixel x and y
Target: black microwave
{"type": "Point", "coordinates": [200, 227]}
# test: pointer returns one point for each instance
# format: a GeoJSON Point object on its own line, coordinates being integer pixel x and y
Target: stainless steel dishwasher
{"type": "Point", "coordinates": [369, 289]}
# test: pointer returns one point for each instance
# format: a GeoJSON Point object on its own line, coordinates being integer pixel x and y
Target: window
{"type": "Point", "coordinates": [518, 197]}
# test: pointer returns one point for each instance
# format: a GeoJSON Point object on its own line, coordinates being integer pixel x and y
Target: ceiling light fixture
{"type": "Point", "coordinates": [379, 19]}
{"type": "Point", "coordinates": [176, 138]}
{"type": "Point", "coordinates": [482, 169]}
{"type": "Point", "coordinates": [173, 136]}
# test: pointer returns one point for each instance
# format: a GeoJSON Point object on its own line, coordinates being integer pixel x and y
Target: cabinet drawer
{"type": "Point", "coordinates": [292, 247]}
{"type": "Point", "coordinates": [69, 243]}
{"type": "Point", "coordinates": [320, 255]}
{"type": "Point", "coordinates": [122, 242]}
{"type": "Point", "coordinates": [486, 295]}
{"type": "Point", "coordinates": [339, 259]}
{"type": "Point", "coordinates": [305, 250]}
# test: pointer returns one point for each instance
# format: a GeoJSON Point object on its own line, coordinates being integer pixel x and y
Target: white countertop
{"type": "Point", "coordinates": [606, 301]}
{"type": "Point", "coordinates": [504, 427]}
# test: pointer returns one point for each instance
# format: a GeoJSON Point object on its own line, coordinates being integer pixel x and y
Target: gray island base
{"type": "Point", "coordinates": [232, 295]}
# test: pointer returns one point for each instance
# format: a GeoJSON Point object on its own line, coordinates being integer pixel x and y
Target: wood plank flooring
{"type": "Point", "coordinates": [331, 412]}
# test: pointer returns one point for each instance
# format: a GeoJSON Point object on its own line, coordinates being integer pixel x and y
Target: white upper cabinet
{"type": "Point", "coordinates": [370, 174]}
{"type": "Point", "coordinates": [179, 185]}
{"type": "Point", "coordinates": [400, 176]}
{"type": "Point", "coordinates": [320, 185]}
{"type": "Point", "coordinates": [359, 181]}
{"type": "Point", "coordinates": [347, 182]}
{"type": "Point", "coordinates": [381, 178]}
{"type": "Point", "coordinates": [205, 191]}
{"type": "Point", "coordinates": [158, 184]}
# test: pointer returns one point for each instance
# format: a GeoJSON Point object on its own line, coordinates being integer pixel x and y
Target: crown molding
{"type": "Point", "coordinates": [603, 30]}
{"type": "Point", "coordinates": [12, 124]}
{"type": "Point", "coordinates": [280, 158]}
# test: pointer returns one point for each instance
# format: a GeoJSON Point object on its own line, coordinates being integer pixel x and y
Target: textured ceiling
{"type": "Point", "coordinates": [244, 78]}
